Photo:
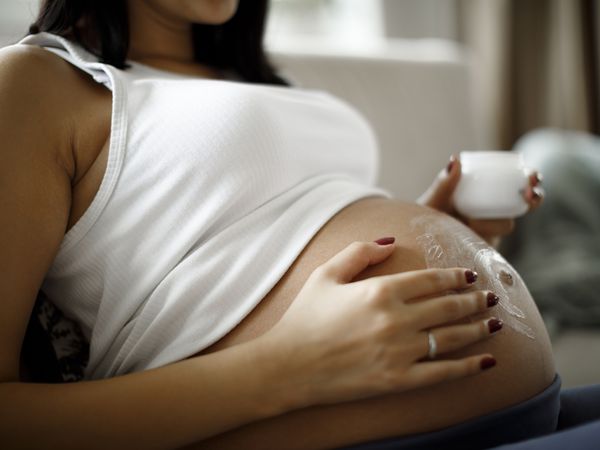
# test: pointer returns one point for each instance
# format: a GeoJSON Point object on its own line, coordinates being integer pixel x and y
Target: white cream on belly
{"type": "Point", "coordinates": [446, 243]}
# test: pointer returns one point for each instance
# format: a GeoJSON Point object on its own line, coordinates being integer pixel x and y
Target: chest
{"type": "Point", "coordinates": [237, 134]}
{"type": "Point", "coordinates": [217, 140]}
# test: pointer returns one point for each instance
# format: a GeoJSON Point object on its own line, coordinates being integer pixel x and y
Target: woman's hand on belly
{"type": "Point", "coordinates": [342, 340]}
{"type": "Point", "coordinates": [424, 239]}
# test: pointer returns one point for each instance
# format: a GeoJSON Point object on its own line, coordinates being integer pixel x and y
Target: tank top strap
{"type": "Point", "coordinates": [74, 54]}
{"type": "Point", "coordinates": [115, 80]}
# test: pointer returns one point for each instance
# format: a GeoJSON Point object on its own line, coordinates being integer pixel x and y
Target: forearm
{"type": "Point", "coordinates": [167, 407]}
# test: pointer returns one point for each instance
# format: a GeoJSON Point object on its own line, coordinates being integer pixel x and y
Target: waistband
{"type": "Point", "coordinates": [533, 417]}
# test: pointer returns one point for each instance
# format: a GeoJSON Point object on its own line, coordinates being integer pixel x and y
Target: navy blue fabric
{"type": "Point", "coordinates": [583, 437]}
{"type": "Point", "coordinates": [552, 420]}
{"type": "Point", "coordinates": [578, 425]}
{"type": "Point", "coordinates": [579, 405]}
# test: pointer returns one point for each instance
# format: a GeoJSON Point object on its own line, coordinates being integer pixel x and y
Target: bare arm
{"type": "Point", "coordinates": [166, 407]}
{"type": "Point", "coordinates": [339, 341]}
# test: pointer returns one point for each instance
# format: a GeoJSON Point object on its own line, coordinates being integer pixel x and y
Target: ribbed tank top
{"type": "Point", "coordinates": [211, 191]}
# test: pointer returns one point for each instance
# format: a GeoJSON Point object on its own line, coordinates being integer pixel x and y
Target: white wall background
{"type": "Point", "coordinates": [353, 22]}
{"type": "Point", "coordinates": [15, 17]}
{"type": "Point", "coordinates": [357, 22]}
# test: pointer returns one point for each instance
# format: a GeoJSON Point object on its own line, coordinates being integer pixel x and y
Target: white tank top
{"type": "Point", "coordinates": [212, 190]}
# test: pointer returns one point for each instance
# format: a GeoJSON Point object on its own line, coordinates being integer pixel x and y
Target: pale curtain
{"type": "Point", "coordinates": [536, 64]}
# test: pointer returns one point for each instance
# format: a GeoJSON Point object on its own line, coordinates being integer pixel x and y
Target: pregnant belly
{"type": "Point", "coordinates": [425, 238]}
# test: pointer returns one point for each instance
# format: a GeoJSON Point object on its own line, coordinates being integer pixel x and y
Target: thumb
{"type": "Point", "coordinates": [356, 257]}
{"type": "Point", "coordinates": [439, 194]}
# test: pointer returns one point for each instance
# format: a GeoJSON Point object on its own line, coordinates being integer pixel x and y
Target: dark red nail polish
{"type": "Point", "coordinates": [471, 276]}
{"type": "Point", "coordinates": [494, 325]}
{"type": "Point", "coordinates": [386, 240]}
{"type": "Point", "coordinates": [492, 299]}
{"type": "Point", "coordinates": [487, 363]}
{"type": "Point", "coordinates": [450, 164]}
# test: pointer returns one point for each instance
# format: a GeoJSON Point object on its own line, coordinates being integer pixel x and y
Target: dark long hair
{"type": "Point", "coordinates": [236, 45]}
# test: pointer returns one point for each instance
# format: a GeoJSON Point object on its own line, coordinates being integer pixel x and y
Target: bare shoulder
{"type": "Point", "coordinates": [36, 189]}
{"type": "Point", "coordinates": [21, 56]}
{"type": "Point", "coordinates": [33, 63]}
{"type": "Point", "coordinates": [40, 88]}
{"type": "Point", "coordinates": [30, 68]}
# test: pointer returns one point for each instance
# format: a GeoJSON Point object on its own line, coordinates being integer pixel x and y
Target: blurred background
{"type": "Point", "coordinates": [438, 76]}
{"type": "Point", "coordinates": [555, 41]}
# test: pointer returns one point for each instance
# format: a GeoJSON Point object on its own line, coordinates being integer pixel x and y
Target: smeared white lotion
{"type": "Point", "coordinates": [448, 244]}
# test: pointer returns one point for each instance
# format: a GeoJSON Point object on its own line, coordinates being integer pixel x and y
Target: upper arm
{"type": "Point", "coordinates": [35, 189]}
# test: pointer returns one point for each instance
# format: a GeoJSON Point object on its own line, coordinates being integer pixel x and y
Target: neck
{"type": "Point", "coordinates": [159, 39]}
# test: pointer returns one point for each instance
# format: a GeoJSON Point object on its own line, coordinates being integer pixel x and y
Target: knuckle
{"type": "Point", "coordinates": [456, 369]}
{"type": "Point", "coordinates": [398, 379]}
{"type": "Point", "coordinates": [388, 378]}
{"type": "Point", "coordinates": [406, 321]}
{"type": "Point", "coordinates": [436, 278]}
{"type": "Point", "coordinates": [386, 327]}
{"type": "Point", "coordinates": [359, 247]}
{"type": "Point", "coordinates": [460, 369]}
{"type": "Point", "coordinates": [392, 380]}
{"type": "Point", "coordinates": [444, 372]}
{"type": "Point", "coordinates": [320, 272]}
{"type": "Point", "coordinates": [452, 340]}
{"type": "Point", "coordinates": [378, 293]}
{"type": "Point", "coordinates": [452, 307]}
{"type": "Point", "coordinates": [383, 373]}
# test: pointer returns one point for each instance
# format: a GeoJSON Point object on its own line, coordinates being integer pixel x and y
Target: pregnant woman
{"type": "Point", "coordinates": [211, 229]}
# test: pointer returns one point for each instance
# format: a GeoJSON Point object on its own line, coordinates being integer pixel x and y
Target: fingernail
{"type": "Point", "coordinates": [471, 276]}
{"type": "Point", "coordinates": [492, 299]}
{"type": "Point", "coordinates": [386, 240]}
{"type": "Point", "coordinates": [487, 363]}
{"type": "Point", "coordinates": [538, 177]}
{"type": "Point", "coordinates": [494, 325]}
{"type": "Point", "coordinates": [450, 164]}
{"type": "Point", "coordinates": [536, 193]}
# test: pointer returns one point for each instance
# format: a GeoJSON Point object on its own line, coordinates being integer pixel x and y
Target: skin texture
{"type": "Point", "coordinates": [160, 31]}
{"type": "Point", "coordinates": [388, 414]}
{"type": "Point", "coordinates": [525, 365]}
{"type": "Point", "coordinates": [247, 367]}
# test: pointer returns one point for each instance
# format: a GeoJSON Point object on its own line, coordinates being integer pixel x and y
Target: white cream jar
{"type": "Point", "coordinates": [492, 185]}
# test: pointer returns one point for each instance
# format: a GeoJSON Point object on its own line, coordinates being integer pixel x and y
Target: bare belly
{"type": "Point", "coordinates": [424, 238]}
